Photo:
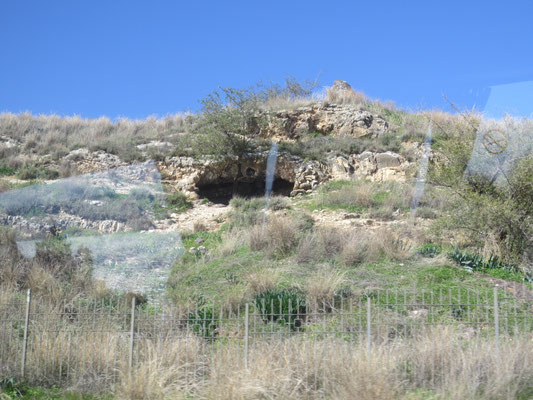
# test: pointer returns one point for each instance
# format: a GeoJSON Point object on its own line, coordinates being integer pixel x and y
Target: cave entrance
{"type": "Point", "coordinates": [223, 191]}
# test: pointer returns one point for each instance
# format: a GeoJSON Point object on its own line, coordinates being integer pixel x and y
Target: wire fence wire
{"type": "Point", "coordinates": [101, 341]}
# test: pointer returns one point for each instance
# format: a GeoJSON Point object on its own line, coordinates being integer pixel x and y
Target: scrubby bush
{"type": "Point", "coordinates": [54, 273]}
{"type": "Point", "coordinates": [484, 208]}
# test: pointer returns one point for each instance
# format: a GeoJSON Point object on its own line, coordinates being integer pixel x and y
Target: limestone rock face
{"type": "Point", "coordinates": [188, 175]}
{"type": "Point", "coordinates": [340, 88]}
{"type": "Point", "coordinates": [326, 119]}
{"type": "Point", "coordinates": [87, 161]}
{"type": "Point", "coordinates": [376, 167]}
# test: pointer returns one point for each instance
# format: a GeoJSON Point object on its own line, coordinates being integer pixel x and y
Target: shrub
{"type": "Point", "coordinates": [178, 201]}
{"type": "Point", "coordinates": [203, 322]}
{"type": "Point", "coordinates": [6, 171]}
{"type": "Point", "coordinates": [30, 172]}
{"type": "Point", "coordinates": [429, 250]}
{"type": "Point", "coordinates": [284, 306]}
{"type": "Point", "coordinates": [473, 262]}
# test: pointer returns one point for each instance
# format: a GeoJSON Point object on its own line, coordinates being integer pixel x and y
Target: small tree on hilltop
{"type": "Point", "coordinates": [230, 120]}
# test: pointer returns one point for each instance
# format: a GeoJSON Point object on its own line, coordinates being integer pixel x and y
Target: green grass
{"type": "Point", "coordinates": [375, 200]}
{"type": "Point", "coordinates": [6, 171]}
{"type": "Point", "coordinates": [177, 201]}
{"type": "Point", "coordinates": [10, 389]}
{"type": "Point", "coordinates": [212, 280]}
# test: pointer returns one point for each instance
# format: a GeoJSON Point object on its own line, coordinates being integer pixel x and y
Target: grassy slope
{"type": "Point", "coordinates": [234, 272]}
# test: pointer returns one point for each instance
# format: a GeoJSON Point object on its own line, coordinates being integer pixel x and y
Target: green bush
{"type": "Point", "coordinates": [31, 172]}
{"type": "Point", "coordinates": [429, 250]}
{"type": "Point", "coordinates": [203, 322]}
{"type": "Point", "coordinates": [178, 201]}
{"type": "Point", "coordinates": [473, 262]}
{"type": "Point", "coordinates": [284, 306]}
{"type": "Point", "coordinates": [6, 171]}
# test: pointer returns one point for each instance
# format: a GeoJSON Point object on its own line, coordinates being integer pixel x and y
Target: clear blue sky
{"type": "Point", "coordinates": [138, 58]}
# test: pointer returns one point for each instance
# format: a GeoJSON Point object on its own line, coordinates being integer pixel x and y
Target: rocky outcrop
{"type": "Point", "coordinates": [326, 119]}
{"type": "Point", "coordinates": [35, 227]}
{"type": "Point", "coordinates": [6, 142]}
{"type": "Point", "coordinates": [92, 161]}
{"type": "Point", "coordinates": [376, 167]}
{"type": "Point", "coordinates": [308, 176]}
{"type": "Point", "coordinates": [189, 175]}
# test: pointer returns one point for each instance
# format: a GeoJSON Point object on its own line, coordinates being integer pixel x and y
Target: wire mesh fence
{"type": "Point", "coordinates": [101, 341]}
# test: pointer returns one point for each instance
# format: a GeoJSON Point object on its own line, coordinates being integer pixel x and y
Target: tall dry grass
{"type": "Point", "coordinates": [38, 135]}
{"type": "Point", "coordinates": [88, 351]}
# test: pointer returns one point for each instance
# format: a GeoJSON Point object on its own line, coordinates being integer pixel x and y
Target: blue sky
{"type": "Point", "coordinates": [139, 58]}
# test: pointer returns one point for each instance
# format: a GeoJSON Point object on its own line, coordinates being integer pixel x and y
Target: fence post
{"type": "Point", "coordinates": [246, 333]}
{"type": "Point", "coordinates": [26, 328]}
{"type": "Point", "coordinates": [496, 319]}
{"type": "Point", "coordinates": [132, 329]}
{"type": "Point", "coordinates": [368, 321]}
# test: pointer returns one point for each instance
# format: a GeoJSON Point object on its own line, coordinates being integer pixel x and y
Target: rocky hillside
{"type": "Point", "coordinates": [123, 189]}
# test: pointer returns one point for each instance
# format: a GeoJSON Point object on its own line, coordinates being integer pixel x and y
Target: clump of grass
{"type": "Point", "coordinates": [323, 285]}
{"type": "Point", "coordinates": [178, 201]}
{"type": "Point", "coordinates": [279, 237]}
{"type": "Point", "coordinates": [32, 172]}
{"type": "Point", "coordinates": [378, 200]}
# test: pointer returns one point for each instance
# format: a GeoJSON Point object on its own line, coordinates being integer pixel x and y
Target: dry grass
{"type": "Point", "coordinates": [232, 241]}
{"type": "Point", "coordinates": [347, 97]}
{"type": "Point", "coordinates": [277, 237]}
{"type": "Point", "coordinates": [90, 355]}
{"type": "Point", "coordinates": [323, 285]}
{"type": "Point", "coordinates": [352, 246]}
{"type": "Point", "coordinates": [261, 280]}
{"type": "Point", "coordinates": [161, 374]}
{"type": "Point", "coordinates": [56, 136]}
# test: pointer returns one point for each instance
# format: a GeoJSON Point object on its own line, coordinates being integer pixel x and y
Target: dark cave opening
{"type": "Point", "coordinates": [223, 191]}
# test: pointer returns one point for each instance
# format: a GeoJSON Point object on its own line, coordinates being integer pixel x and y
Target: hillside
{"type": "Point", "coordinates": [349, 166]}
{"type": "Point", "coordinates": [273, 214]}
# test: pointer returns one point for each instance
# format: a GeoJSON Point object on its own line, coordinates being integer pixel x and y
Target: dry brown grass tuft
{"type": "Point", "coordinates": [319, 245]}
{"type": "Point", "coordinates": [358, 248]}
{"type": "Point", "coordinates": [347, 97]}
{"type": "Point", "coordinates": [164, 372]}
{"type": "Point", "coordinates": [231, 241]}
{"type": "Point", "coordinates": [278, 237]}
{"type": "Point", "coordinates": [261, 280]}
{"type": "Point", "coordinates": [369, 246]}
{"type": "Point", "coordinates": [322, 286]}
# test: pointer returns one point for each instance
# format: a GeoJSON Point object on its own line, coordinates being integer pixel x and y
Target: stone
{"type": "Point", "coordinates": [388, 159]}
{"type": "Point", "coordinates": [342, 120]}
{"type": "Point", "coordinates": [202, 249]}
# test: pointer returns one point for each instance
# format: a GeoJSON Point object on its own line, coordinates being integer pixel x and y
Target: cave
{"type": "Point", "coordinates": [221, 192]}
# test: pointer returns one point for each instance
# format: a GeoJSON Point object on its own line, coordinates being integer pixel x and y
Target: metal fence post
{"type": "Point", "coordinates": [246, 333]}
{"type": "Point", "coordinates": [496, 319]}
{"type": "Point", "coordinates": [368, 321]}
{"type": "Point", "coordinates": [26, 328]}
{"type": "Point", "coordinates": [132, 329]}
